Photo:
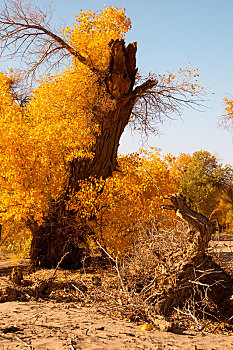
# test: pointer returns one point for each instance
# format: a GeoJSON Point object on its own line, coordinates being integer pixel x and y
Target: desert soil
{"type": "Point", "coordinates": [50, 325]}
{"type": "Point", "coordinates": [54, 326]}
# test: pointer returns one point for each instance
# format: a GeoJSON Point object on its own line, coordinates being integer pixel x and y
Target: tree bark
{"type": "Point", "coordinates": [60, 232]}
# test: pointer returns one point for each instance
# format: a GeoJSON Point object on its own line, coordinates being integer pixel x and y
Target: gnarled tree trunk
{"type": "Point", "coordinates": [60, 232]}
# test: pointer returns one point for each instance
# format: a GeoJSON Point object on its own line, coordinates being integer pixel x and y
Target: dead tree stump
{"type": "Point", "coordinates": [196, 281]}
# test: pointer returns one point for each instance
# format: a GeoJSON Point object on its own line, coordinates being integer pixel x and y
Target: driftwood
{"type": "Point", "coordinates": [201, 228]}
{"type": "Point", "coordinates": [196, 278]}
{"type": "Point", "coordinates": [24, 290]}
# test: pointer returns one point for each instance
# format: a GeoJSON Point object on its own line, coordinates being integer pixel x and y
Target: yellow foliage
{"type": "Point", "coordinates": [229, 106]}
{"type": "Point", "coordinates": [224, 214]}
{"type": "Point", "coordinates": [133, 196]}
{"type": "Point", "coordinates": [227, 118]}
{"type": "Point", "coordinates": [61, 122]}
{"type": "Point", "coordinates": [16, 240]}
{"type": "Point", "coordinates": [186, 79]}
{"type": "Point", "coordinates": [58, 124]}
{"type": "Point", "coordinates": [38, 141]}
{"type": "Point", "coordinates": [92, 32]}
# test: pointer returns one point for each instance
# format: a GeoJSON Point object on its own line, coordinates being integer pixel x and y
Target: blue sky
{"type": "Point", "coordinates": [171, 34]}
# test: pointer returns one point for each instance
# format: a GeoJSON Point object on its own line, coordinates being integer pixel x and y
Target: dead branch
{"type": "Point", "coordinates": [58, 265]}
{"type": "Point", "coordinates": [156, 101]}
{"type": "Point", "coordinates": [202, 225]}
{"type": "Point", "coordinates": [25, 31]}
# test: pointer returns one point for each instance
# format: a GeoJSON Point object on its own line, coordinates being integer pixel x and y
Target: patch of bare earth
{"type": "Point", "coordinates": [47, 325]}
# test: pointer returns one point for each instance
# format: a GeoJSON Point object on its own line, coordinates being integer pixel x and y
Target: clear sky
{"type": "Point", "coordinates": [170, 35]}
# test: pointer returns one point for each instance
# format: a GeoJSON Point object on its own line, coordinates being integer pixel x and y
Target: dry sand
{"type": "Point", "coordinates": [54, 326]}
{"type": "Point", "coordinates": [42, 325]}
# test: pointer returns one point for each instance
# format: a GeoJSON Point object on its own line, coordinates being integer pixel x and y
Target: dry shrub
{"type": "Point", "coordinates": [160, 278]}
{"type": "Point", "coordinates": [153, 253]}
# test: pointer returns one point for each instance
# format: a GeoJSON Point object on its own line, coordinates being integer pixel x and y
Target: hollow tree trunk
{"type": "Point", "coordinates": [196, 279]}
{"type": "Point", "coordinates": [60, 232]}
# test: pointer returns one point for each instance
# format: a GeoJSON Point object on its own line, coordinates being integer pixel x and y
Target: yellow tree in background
{"type": "Point", "coordinates": [206, 184]}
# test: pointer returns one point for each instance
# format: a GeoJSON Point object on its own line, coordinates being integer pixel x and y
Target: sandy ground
{"type": "Point", "coordinates": [54, 326]}
{"type": "Point", "coordinates": [47, 325]}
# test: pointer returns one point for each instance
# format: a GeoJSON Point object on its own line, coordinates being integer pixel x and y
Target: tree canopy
{"type": "Point", "coordinates": [68, 129]}
{"type": "Point", "coordinates": [65, 112]}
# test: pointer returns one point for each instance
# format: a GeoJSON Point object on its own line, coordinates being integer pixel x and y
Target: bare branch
{"type": "Point", "coordinates": [25, 31]}
{"type": "Point", "coordinates": [144, 87]}
{"type": "Point", "coordinates": [157, 100]}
